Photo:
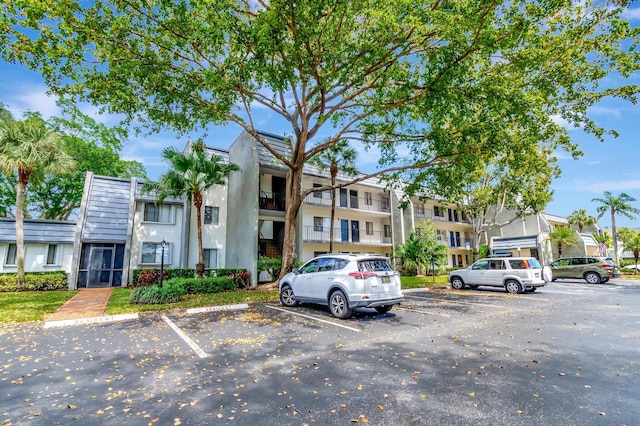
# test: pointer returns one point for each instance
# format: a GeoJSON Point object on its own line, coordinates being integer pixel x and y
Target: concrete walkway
{"type": "Point", "coordinates": [88, 303]}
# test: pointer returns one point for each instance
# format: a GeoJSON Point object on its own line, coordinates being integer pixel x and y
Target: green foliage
{"type": "Point", "coordinates": [563, 236]}
{"type": "Point", "coordinates": [620, 205]}
{"type": "Point", "coordinates": [142, 277]}
{"type": "Point", "coordinates": [147, 277]}
{"type": "Point", "coordinates": [34, 281]}
{"type": "Point", "coordinates": [271, 265]}
{"type": "Point", "coordinates": [204, 285]}
{"type": "Point", "coordinates": [422, 251]}
{"type": "Point", "coordinates": [580, 218]}
{"type": "Point", "coordinates": [484, 251]}
{"type": "Point", "coordinates": [170, 292]}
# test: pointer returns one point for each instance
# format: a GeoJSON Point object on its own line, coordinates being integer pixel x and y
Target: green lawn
{"type": "Point", "coordinates": [37, 305]}
{"type": "Point", "coordinates": [27, 306]}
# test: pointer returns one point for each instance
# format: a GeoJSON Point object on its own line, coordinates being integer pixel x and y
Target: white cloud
{"type": "Point", "coordinates": [612, 186]}
{"type": "Point", "coordinates": [631, 14]}
{"type": "Point", "coordinates": [32, 98]}
{"type": "Point", "coordinates": [600, 110]}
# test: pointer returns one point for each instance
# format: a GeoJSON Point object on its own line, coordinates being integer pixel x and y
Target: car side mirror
{"type": "Point", "coordinates": [296, 271]}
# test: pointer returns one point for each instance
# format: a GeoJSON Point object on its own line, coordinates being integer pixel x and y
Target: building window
{"type": "Point", "coordinates": [453, 260]}
{"type": "Point", "coordinates": [211, 258]}
{"type": "Point", "coordinates": [420, 209]}
{"type": "Point", "coordinates": [211, 215]}
{"type": "Point", "coordinates": [438, 211]}
{"type": "Point", "coordinates": [369, 226]}
{"type": "Point", "coordinates": [317, 194]}
{"type": "Point", "coordinates": [385, 203]}
{"type": "Point", "coordinates": [368, 200]}
{"type": "Point", "coordinates": [52, 254]}
{"type": "Point", "coordinates": [152, 253]}
{"type": "Point", "coordinates": [442, 235]}
{"type": "Point", "coordinates": [387, 231]}
{"type": "Point", "coordinates": [317, 224]}
{"type": "Point", "coordinates": [11, 255]}
{"type": "Point", "coordinates": [157, 213]}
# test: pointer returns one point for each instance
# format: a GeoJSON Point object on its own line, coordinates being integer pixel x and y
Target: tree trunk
{"type": "Point", "coordinates": [293, 203]}
{"type": "Point", "coordinates": [333, 213]}
{"type": "Point", "coordinates": [197, 202]}
{"type": "Point", "coordinates": [559, 249]}
{"type": "Point", "coordinates": [636, 254]}
{"type": "Point", "coordinates": [23, 179]}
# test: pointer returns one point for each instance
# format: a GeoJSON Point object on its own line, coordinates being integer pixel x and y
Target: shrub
{"type": "Point", "coordinates": [35, 281]}
{"type": "Point", "coordinates": [204, 285]}
{"type": "Point", "coordinates": [170, 292]}
{"type": "Point", "coordinates": [146, 277]}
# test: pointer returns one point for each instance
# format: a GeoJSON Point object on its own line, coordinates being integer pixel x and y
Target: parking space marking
{"type": "Point", "coordinates": [95, 320]}
{"type": "Point", "coordinates": [423, 312]}
{"type": "Point", "coordinates": [454, 302]}
{"type": "Point", "coordinates": [193, 345]}
{"type": "Point", "coordinates": [217, 308]}
{"type": "Point", "coordinates": [312, 318]}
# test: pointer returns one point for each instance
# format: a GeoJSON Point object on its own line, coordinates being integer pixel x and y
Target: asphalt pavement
{"type": "Point", "coordinates": [567, 354]}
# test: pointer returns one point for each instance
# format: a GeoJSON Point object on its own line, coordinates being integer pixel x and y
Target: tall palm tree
{"type": "Point", "coordinates": [563, 236]}
{"type": "Point", "coordinates": [340, 157]}
{"type": "Point", "coordinates": [616, 205]}
{"type": "Point", "coordinates": [580, 218]}
{"type": "Point", "coordinates": [29, 149]}
{"type": "Point", "coordinates": [192, 174]}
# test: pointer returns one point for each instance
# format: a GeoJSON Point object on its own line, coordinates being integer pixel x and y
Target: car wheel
{"type": "Point", "coordinates": [592, 278]}
{"type": "Point", "coordinates": [532, 289]}
{"type": "Point", "coordinates": [604, 280]}
{"type": "Point", "coordinates": [513, 287]}
{"type": "Point", "coordinates": [339, 305]}
{"type": "Point", "coordinates": [287, 298]}
{"type": "Point", "coordinates": [383, 309]}
{"type": "Point", "coordinates": [473, 287]}
{"type": "Point", "coordinates": [457, 283]}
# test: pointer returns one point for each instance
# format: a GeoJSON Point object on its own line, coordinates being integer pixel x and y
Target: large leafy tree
{"type": "Point", "coordinates": [443, 82]}
{"type": "Point", "coordinates": [29, 149]}
{"type": "Point", "coordinates": [563, 236]}
{"type": "Point", "coordinates": [620, 205]}
{"type": "Point", "coordinates": [581, 218]}
{"type": "Point", "coordinates": [191, 174]}
{"type": "Point", "coordinates": [339, 157]}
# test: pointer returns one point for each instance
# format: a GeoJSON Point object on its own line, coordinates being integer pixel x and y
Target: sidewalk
{"type": "Point", "coordinates": [88, 303]}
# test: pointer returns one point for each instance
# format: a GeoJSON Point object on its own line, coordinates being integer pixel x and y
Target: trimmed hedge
{"type": "Point", "coordinates": [147, 276]}
{"type": "Point", "coordinates": [35, 281]}
{"type": "Point", "coordinates": [204, 285]}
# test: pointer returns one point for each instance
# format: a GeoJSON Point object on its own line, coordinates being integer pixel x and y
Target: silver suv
{"type": "Point", "coordinates": [343, 282]}
{"type": "Point", "coordinates": [515, 274]}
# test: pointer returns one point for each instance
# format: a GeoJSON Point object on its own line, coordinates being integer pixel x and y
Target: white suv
{"type": "Point", "coordinates": [343, 282]}
{"type": "Point", "coordinates": [515, 274]}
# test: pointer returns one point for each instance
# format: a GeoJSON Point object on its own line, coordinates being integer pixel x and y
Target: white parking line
{"type": "Point", "coordinates": [423, 312]}
{"type": "Point", "coordinates": [95, 320]}
{"type": "Point", "coordinates": [193, 345]}
{"type": "Point", "coordinates": [217, 308]}
{"type": "Point", "coordinates": [312, 318]}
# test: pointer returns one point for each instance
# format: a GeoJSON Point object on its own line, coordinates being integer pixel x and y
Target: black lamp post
{"type": "Point", "coordinates": [164, 243]}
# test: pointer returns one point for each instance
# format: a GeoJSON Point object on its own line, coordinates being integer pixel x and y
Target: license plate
{"type": "Point", "coordinates": [386, 280]}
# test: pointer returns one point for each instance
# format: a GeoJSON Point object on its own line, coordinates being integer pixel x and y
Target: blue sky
{"type": "Point", "coordinates": [609, 166]}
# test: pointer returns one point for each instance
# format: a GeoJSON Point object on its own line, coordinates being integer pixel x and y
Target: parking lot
{"type": "Point", "coordinates": [567, 354]}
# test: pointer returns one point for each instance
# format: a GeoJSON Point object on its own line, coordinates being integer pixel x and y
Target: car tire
{"type": "Point", "coordinates": [383, 309]}
{"type": "Point", "coordinates": [592, 278]}
{"type": "Point", "coordinates": [532, 289]}
{"type": "Point", "coordinates": [513, 287]}
{"type": "Point", "coordinates": [287, 298]}
{"type": "Point", "coordinates": [457, 283]}
{"type": "Point", "coordinates": [339, 305]}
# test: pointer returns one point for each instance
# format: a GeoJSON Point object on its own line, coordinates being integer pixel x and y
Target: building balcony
{"type": "Point", "coordinates": [312, 234]}
{"type": "Point", "coordinates": [323, 198]}
{"type": "Point", "coordinates": [456, 243]}
{"type": "Point", "coordinates": [272, 201]}
{"type": "Point", "coordinates": [441, 217]}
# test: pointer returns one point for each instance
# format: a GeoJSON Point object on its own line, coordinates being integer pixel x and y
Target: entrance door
{"type": "Point", "coordinates": [355, 231]}
{"type": "Point", "coordinates": [344, 230]}
{"type": "Point", "coordinates": [100, 267]}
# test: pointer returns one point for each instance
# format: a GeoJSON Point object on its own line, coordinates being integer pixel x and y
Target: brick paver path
{"type": "Point", "coordinates": [88, 303]}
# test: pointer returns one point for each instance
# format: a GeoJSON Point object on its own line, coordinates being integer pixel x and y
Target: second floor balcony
{"type": "Point", "coordinates": [272, 200]}
{"type": "Point", "coordinates": [323, 198]}
{"type": "Point", "coordinates": [313, 234]}
{"type": "Point", "coordinates": [441, 215]}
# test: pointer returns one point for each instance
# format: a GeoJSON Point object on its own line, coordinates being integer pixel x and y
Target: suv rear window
{"type": "Point", "coordinates": [374, 265]}
{"type": "Point", "coordinates": [520, 264]}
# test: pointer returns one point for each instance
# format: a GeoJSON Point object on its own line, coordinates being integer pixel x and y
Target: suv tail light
{"type": "Point", "coordinates": [607, 266]}
{"type": "Point", "coordinates": [362, 275]}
